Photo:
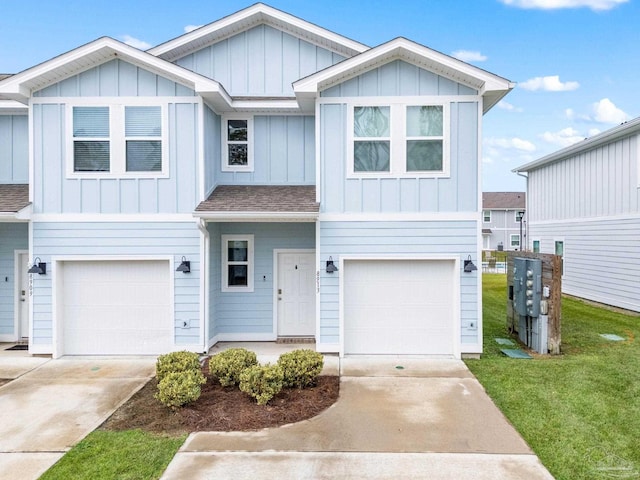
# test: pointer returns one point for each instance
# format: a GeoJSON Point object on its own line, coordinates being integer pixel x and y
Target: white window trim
{"type": "Point", "coordinates": [224, 161]}
{"type": "Point", "coordinates": [511, 237]}
{"type": "Point", "coordinates": [399, 137]}
{"type": "Point", "coordinates": [225, 263]}
{"type": "Point", "coordinates": [484, 220]}
{"type": "Point", "coordinates": [533, 245]}
{"type": "Point", "coordinates": [515, 215]}
{"type": "Point", "coordinates": [117, 140]}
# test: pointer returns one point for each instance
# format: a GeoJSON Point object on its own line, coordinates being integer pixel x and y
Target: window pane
{"type": "Point", "coordinates": [237, 130]}
{"type": "Point", "coordinates": [142, 121]}
{"type": "Point", "coordinates": [371, 156]}
{"type": "Point", "coordinates": [536, 246]}
{"type": "Point", "coordinates": [90, 156]}
{"type": "Point", "coordinates": [238, 251]}
{"type": "Point", "coordinates": [560, 248]}
{"type": "Point", "coordinates": [371, 121]}
{"type": "Point", "coordinates": [91, 121]}
{"type": "Point", "coordinates": [238, 155]}
{"type": "Point", "coordinates": [424, 121]}
{"type": "Point", "coordinates": [237, 275]}
{"type": "Point", "coordinates": [424, 155]}
{"type": "Point", "coordinates": [144, 156]}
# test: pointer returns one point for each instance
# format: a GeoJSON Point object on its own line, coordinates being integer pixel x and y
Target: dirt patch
{"type": "Point", "coordinates": [223, 409]}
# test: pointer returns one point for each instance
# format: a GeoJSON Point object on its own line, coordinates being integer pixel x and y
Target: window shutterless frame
{"type": "Point", "coordinates": [237, 263]}
{"type": "Point", "coordinates": [237, 143]}
{"type": "Point", "coordinates": [486, 216]}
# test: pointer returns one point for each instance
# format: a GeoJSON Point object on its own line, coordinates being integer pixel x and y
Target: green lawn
{"type": "Point", "coordinates": [579, 411]}
{"type": "Point", "coordinates": [130, 455]}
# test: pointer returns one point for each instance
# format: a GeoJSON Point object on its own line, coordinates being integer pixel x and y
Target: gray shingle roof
{"type": "Point", "coordinates": [261, 198]}
{"type": "Point", "coordinates": [13, 198]}
{"type": "Point", "coordinates": [503, 200]}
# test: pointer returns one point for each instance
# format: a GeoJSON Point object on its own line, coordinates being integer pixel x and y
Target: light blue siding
{"type": "Point", "coordinates": [212, 147]}
{"type": "Point", "coordinates": [397, 78]}
{"type": "Point", "coordinates": [55, 193]}
{"type": "Point", "coordinates": [115, 78]}
{"type": "Point", "coordinates": [13, 236]}
{"type": "Point", "coordinates": [283, 151]}
{"type": "Point", "coordinates": [457, 193]}
{"type": "Point", "coordinates": [14, 149]}
{"type": "Point", "coordinates": [136, 239]}
{"type": "Point", "coordinates": [262, 61]}
{"type": "Point", "coordinates": [242, 313]}
{"type": "Point", "coordinates": [391, 238]}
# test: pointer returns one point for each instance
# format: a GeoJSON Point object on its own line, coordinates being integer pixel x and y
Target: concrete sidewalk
{"type": "Point", "coordinates": [50, 405]}
{"type": "Point", "coordinates": [396, 418]}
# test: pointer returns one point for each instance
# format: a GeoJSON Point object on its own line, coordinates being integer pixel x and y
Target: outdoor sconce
{"type": "Point", "coordinates": [330, 266]}
{"type": "Point", "coordinates": [39, 267]}
{"type": "Point", "coordinates": [469, 266]}
{"type": "Point", "coordinates": [185, 266]}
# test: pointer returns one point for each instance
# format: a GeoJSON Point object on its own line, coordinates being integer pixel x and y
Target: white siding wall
{"type": "Point", "coordinates": [14, 149]}
{"type": "Point", "coordinates": [503, 224]}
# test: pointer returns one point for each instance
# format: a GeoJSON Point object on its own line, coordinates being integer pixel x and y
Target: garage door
{"type": "Point", "coordinates": [116, 307]}
{"type": "Point", "coordinates": [399, 307]}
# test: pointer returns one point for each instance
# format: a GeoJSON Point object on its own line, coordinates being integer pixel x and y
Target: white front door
{"type": "Point", "coordinates": [23, 296]}
{"type": "Point", "coordinates": [296, 299]}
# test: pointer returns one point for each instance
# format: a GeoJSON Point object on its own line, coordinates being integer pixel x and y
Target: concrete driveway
{"type": "Point", "coordinates": [395, 419]}
{"type": "Point", "coordinates": [50, 405]}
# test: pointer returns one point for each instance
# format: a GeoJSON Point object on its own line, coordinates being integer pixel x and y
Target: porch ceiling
{"type": "Point", "coordinates": [13, 198]}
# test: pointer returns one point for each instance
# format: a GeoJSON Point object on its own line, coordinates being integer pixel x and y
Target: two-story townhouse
{"type": "Point", "coordinates": [503, 220]}
{"type": "Point", "coordinates": [258, 178]}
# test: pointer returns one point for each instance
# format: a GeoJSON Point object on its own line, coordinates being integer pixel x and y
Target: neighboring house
{"type": "Point", "coordinates": [503, 217]}
{"type": "Point", "coordinates": [584, 204]}
{"type": "Point", "coordinates": [259, 177]}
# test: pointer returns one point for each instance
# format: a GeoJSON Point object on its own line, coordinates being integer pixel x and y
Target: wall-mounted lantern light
{"type": "Point", "coordinates": [185, 266]}
{"type": "Point", "coordinates": [469, 266]}
{"type": "Point", "coordinates": [39, 267]}
{"type": "Point", "coordinates": [330, 266]}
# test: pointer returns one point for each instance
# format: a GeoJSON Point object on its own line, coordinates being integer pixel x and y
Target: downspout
{"type": "Point", "coordinates": [204, 284]}
{"type": "Point", "coordinates": [526, 211]}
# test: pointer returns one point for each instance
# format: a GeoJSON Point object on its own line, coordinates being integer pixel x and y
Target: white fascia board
{"type": "Point", "coordinates": [247, 18]}
{"type": "Point", "coordinates": [627, 128]}
{"type": "Point", "coordinates": [257, 216]}
{"type": "Point", "coordinates": [13, 107]}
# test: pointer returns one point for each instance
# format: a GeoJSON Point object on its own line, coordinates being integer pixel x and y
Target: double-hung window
{"type": "Point", "coordinates": [237, 263]}
{"type": "Point", "coordinates": [398, 140]}
{"type": "Point", "coordinates": [486, 216]}
{"type": "Point", "coordinates": [515, 240]}
{"type": "Point", "coordinates": [237, 134]}
{"type": "Point", "coordinates": [117, 140]}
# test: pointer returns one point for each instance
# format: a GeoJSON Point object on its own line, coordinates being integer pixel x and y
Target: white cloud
{"type": "Point", "coordinates": [563, 138]}
{"type": "Point", "coordinates": [514, 143]}
{"type": "Point", "coordinates": [593, 131]}
{"type": "Point", "coordinates": [606, 112]}
{"type": "Point", "coordinates": [191, 28]}
{"type": "Point", "coordinates": [134, 42]}
{"type": "Point", "coordinates": [596, 5]}
{"type": "Point", "coordinates": [509, 107]}
{"type": "Point", "coordinates": [469, 56]}
{"type": "Point", "coordinates": [550, 83]}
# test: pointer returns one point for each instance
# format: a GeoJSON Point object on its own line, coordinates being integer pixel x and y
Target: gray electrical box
{"type": "Point", "coordinates": [527, 286]}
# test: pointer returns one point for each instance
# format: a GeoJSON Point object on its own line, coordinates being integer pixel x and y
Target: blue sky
{"type": "Point", "coordinates": [575, 61]}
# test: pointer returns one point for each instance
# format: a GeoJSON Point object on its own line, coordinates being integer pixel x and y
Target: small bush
{"type": "Point", "coordinates": [301, 367]}
{"type": "Point", "coordinates": [262, 382]}
{"type": "Point", "coordinates": [228, 365]}
{"type": "Point", "coordinates": [179, 388]}
{"type": "Point", "coordinates": [175, 362]}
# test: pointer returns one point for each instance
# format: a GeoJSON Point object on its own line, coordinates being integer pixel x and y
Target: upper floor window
{"type": "Point", "coordinates": [398, 140]}
{"type": "Point", "coordinates": [519, 216]}
{"type": "Point", "coordinates": [117, 140]}
{"type": "Point", "coordinates": [486, 216]}
{"type": "Point", "coordinates": [237, 134]}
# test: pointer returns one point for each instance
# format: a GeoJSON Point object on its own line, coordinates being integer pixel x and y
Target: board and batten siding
{"type": "Point", "coordinates": [15, 236]}
{"type": "Point", "coordinates": [261, 61]}
{"type": "Point", "coordinates": [283, 153]}
{"type": "Point", "coordinates": [456, 193]}
{"type": "Point", "coordinates": [602, 181]}
{"type": "Point", "coordinates": [116, 78]}
{"type": "Point", "coordinates": [139, 239]}
{"type": "Point", "coordinates": [212, 148]}
{"type": "Point", "coordinates": [55, 193]}
{"type": "Point", "coordinates": [14, 149]}
{"type": "Point", "coordinates": [405, 238]}
{"type": "Point", "coordinates": [601, 258]}
{"type": "Point", "coordinates": [251, 313]}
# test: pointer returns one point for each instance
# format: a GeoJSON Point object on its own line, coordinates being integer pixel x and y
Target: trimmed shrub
{"type": "Point", "coordinates": [179, 388]}
{"type": "Point", "coordinates": [262, 382]}
{"type": "Point", "coordinates": [301, 367]}
{"type": "Point", "coordinates": [228, 365]}
{"type": "Point", "coordinates": [175, 362]}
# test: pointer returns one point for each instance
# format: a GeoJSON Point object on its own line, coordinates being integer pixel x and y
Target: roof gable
{"type": "Point", "coordinates": [490, 86]}
{"type": "Point", "coordinates": [250, 17]}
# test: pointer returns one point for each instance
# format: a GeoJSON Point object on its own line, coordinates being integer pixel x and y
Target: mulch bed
{"type": "Point", "coordinates": [222, 409]}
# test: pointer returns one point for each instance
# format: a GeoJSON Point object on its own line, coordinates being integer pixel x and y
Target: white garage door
{"type": "Point", "coordinates": [399, 307]}
{"type": "Point", "coordinates": [116, 307]}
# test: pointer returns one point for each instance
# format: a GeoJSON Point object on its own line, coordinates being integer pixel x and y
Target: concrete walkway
{"type": "Point", "coordinates": [395, 419]}
{"type": "Point", "coordinates": [50, 405]}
